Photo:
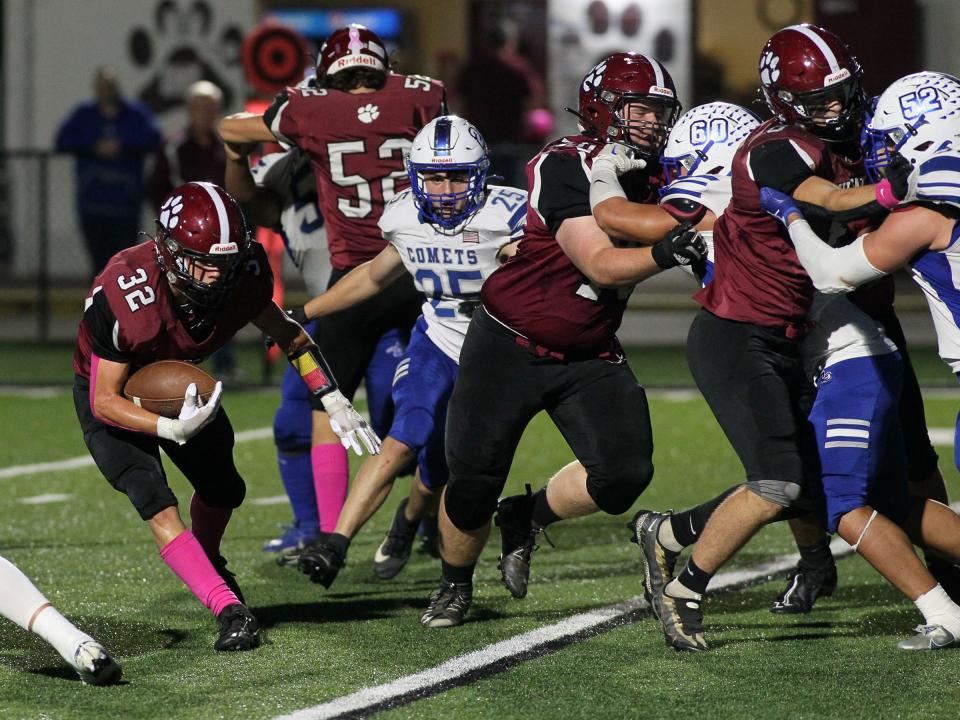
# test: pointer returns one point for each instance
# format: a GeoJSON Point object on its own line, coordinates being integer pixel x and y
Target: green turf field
{"type": "Point", "coordinates": [95, 561]}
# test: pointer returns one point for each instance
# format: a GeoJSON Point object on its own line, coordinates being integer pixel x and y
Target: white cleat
{"type": "Point", "coordinates": [95, 665]}
{"type": "Point", "coordinates": [929, 637]}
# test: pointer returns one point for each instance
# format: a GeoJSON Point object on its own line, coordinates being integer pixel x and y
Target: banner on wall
{"type": "Point", "coordinates": [583, 32]}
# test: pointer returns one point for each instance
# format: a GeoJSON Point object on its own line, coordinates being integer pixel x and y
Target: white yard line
{"type": "Point", "coordinates": [464, 667]}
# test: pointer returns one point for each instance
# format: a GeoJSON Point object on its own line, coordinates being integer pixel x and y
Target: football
{"type": "Point", "coordinates": [159, 387]}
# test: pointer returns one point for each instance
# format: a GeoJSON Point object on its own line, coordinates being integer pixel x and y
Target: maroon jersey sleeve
{"type": "Point", "coordinates": [356, 143]}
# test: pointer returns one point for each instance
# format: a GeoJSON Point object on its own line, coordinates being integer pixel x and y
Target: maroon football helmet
{"type": "Point", "coordinates": [352, 46]}
{"type": "Point", "coordinates": [607, 92]}
{"type": "Point", "coordinates": [201, 224]}
{"type": "Point", "coordinates": [805, 69]}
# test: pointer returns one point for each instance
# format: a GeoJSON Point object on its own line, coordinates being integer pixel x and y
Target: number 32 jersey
{"type": "Point", "coordinates": [356, 144]}
{"type": "Point", "coordinates": [449, 269]}
{"type": "Point", "coordinates": [129, 314]}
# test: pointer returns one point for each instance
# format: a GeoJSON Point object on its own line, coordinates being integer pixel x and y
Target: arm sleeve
{"type": "Point", "coordinates": [780, 165]}
{"type": "Point", "coordinates": [104, 330]}
{"type": "Point", "coordinates": [281, 120]}
{"type": "Point", "coordinates": [832, 270]}
{"type": "Point", "coordinates": [562, 189]}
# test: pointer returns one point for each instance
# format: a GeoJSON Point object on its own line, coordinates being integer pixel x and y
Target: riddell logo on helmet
{"type": "Point", "coordinates": [657, 90]}
{"type": "Point", "coordinates": [843, 74]}
{"type": "Point", "coordinates": [354, 61]}
{"type": "Point", "coordinates": [223, 248]}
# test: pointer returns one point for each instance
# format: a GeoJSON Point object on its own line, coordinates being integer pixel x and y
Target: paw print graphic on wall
{"type": "Point", "coordinates": [183, 46]}
{"type": "Point", "coordinates": [368, 113]}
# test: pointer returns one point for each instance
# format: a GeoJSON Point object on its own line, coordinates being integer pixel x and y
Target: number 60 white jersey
{"type": "Point", "coordinates": [449, 268]}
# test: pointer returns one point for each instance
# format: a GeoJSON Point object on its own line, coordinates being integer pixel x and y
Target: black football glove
{"type": "Point", "coordinates": [298, 314]}
{"type": "Point", "coordinates": [897, 173]}
{"type": "Point", "coordinates": [681, 246]}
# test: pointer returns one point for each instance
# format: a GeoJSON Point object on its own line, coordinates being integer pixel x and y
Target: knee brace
{"type": "Point", "coordinates": [471, 500]}
{"type": "Point", "coordinates": [778, 492]}
{"type": "Point", "coordinates": [614, 490]}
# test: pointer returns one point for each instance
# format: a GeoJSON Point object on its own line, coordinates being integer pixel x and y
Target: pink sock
{"type": "Point", "coordinates": [330, 474]}
{"type": "Point", "coordinates": [190, 563]}
{"type": "Point", "coordinates": [208, 524]}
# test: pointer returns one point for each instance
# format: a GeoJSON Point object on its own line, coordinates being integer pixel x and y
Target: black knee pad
{"type": "Point", "coordinates": [615, 489]}
{"type": "Point", "coordinates": [225, 494]}
{"type": "Point", "coordinates": [471, 500]}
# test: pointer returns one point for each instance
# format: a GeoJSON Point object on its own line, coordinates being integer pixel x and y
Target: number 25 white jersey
{"type": "Point", "coordinates": [450, 268]}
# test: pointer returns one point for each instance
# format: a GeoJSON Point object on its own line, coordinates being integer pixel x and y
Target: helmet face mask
{"type": "Point", "coordinates": [705, 139]}
{"type": "Point", "coordinates": [201, 243]}
{"type": "Point", "coordinates": [810, 77]}
{"type": "Point", "coordinates": [629, 98]}
{"type": "Point", "coordinates": [915, 116]}
{"type": "Point", "coordinates": [447, 167]}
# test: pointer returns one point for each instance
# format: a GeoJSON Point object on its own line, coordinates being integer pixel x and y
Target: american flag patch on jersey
{"type": "Point", "coordinates": [472, 236]}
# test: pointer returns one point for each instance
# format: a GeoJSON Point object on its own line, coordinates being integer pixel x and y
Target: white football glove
{"type": "Point", "coordinates": [349, 426]}
{"type": "Point", "coordinates": [609, 164]}
{"type": "Point", "coordinates": [193, 416]}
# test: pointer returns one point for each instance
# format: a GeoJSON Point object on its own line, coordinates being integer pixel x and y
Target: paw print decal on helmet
{"type": "Point", "coordinates": [368, 113]}
{"type": "Point", "coordinates": [769, 68]}
{"type": "Point", "coordinates": [170, 212]}
{"type": "Point", "coordinates": [594, 77]}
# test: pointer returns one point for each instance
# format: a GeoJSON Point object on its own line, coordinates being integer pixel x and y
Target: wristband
{"type": "Point", "coordinates": [314, 370]}
{"type": "Point", "coordinates": [299, 315]}
{"type": "Point", "coordinates": [883, 191]}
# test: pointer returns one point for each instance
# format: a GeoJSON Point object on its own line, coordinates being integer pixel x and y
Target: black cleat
{"type": "Point", "coordinates": [239, 630]}
{"type": "Point", "coordinates": [517, 541]}
{"type": "Point", "coordinates": [448, 605]}
{"type": "Point", "coordinates": [394, 551]}
{"type": "Point", "coordinates": [804, 586]}
{"type": "Point", "coordinates": [659, 563]}
{"type": "Point", "coordinates": [291, 556]}
{"type": "Point", "coordinates": [220, 565]}
{"type": "Point", "coordinates": [682, 622]}
{"type": "Point", "coordinates": [321, 561]}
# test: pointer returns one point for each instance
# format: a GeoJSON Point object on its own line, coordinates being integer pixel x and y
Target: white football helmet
{"type": "Point", "coordinates": [705, 138]}
{"type": "Point", "coordinates": [448, 144]}
{"type": "Point", "coordinates": [917, 115]}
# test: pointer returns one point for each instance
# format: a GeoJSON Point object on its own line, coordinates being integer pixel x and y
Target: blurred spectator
{"type": "Point", "coordinates": [502, 94]}
{"type": "Point", "coordinates": [110, 136]}
{"type": "Point", "coordinates": [195, 153]}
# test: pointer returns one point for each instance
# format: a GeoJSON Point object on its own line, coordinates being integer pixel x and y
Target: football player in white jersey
{"type": "Point", "coordinates": [21, 602]}
{"type": "Point", "coordinates": [280, 192]}
{"type": "Point", "coordinates": [914, 116]}
{"type": "Point", "coordinates": [449, 230]}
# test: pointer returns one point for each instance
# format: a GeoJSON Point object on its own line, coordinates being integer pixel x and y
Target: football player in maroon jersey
{"type": "Point", "coordinates": [355, 126]}
{"type": "Point", "coordinates": [743, 347]}
{"type": "Point", "coordinates": [182, 297]}
{"type": "Point", "coordinates": [544, 338]}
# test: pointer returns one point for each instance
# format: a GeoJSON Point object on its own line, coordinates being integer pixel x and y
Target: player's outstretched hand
{"type": "Point", "coordinates": [779, 204]}
{"type": "Point", "coordinates": [194, 416]}
{"type": "Point", "coordinates": [681, 246]}
{"type": "Point", "coordinates": [348, 424]}
{"type": "Point", "coordinates": [620, 158]}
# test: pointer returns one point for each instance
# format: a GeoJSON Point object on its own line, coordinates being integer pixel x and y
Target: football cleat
{"type": "Point", "coordinates": [291, 556]}
{"type": "Point", "coordinates": [929, 637]}
{"type": "Point", "coordinates": [682, 622]}
{"type": "Point", "coordinates": [95, 665]}
{"type": "Point", "coordinates": [659, 563]}
{"type": "Point", "coordinates": [517, 541]}
{"type": "Point", "coordinates": [429, 534]}
{"type": "Point", "coordinates": [804, 586]}
{"type": "Point", "coordinates": [293, 536]}
{"type": "Point", "coordinates": [448, 605]}
{"type": "Point", "coordinates": [394, 551]}
{"type": "Point", "coordinates": [220, 565]}
{"type": "Point", "coordinates": [321, 562]}
{"type": "Point", "coordinates": [239, 629]}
